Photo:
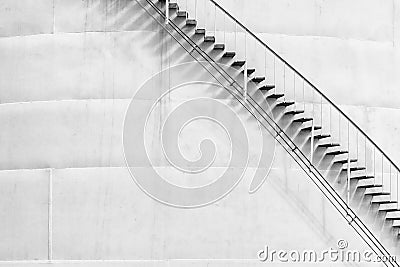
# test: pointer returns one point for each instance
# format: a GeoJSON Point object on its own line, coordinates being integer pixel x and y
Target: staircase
{"type": "Point", "coordinates": [342, 161]}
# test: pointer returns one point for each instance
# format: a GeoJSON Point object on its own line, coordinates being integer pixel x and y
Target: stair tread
{"type": "Point", "coordinates": [238, 63]}
{"type": "Point", "coordinates": [200, 31]}
{"type": "Point", "coordinates": [389, 209]}
{"type": "Point", "coordinates": [369, 186]}
{"type": "Point", "coordinates": [353, 169]}
{"type": "Point", "coordinates": [391, 206]}
{"type": "Point", "coordinates": [229, 54]}
{"type": "Point", "coordinates": [182, 14]}
{"type": "Point", "coordinates": [191, 22]}
{"type": "Point", "coordinates": [258, 79]}
{"type": "Point", "coordinates": [173, 5]}
{"type": "Point", "coordinates": [344, 161]}
{"type": "Point", "coordinates": [303, 120]}
{"type": "Point", "coordinates": [294, 112]}
{"type": "Point", "coordinates": [249, 71]}
{"type": "Point", "coordinates": [309, 128]}
{"type": "Point", "coordinates": [337, 152]}
{"type": "Point", "coordinates": [362, 177]}
{"type": "Point", "coordinates": [266, 87]}
{"type": "Point", "coordinates": [275, 96]}
{"type": "Point", "coordinates": [209, 39]}
{"type": "Point", "coordinates": [377, 193]}
{"type": "Point", "coordinates": [321, 136]}
{"type": "Point", "coordinates": [392, 218]}
{"type": "Point", "coordinates": [285, 104]}
{"type": "Point", "coordinates": [329, 145]}
{"type": "Point", "coordinates": [219, 46]}
{"type": "Point", "coordinates": [383, 201]}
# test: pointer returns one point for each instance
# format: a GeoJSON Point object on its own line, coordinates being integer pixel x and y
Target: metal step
{"type": "Point", "coordinates": [377, 193]}
{"type": "Point", "coordinates": [293, 112]}
{"type": "Point", "coordinates": [362, 177]}
{"type": "Point", "coordinates": [181, 14]}
{"type": "Point", "coordinates": [382, 201]}
{"type": "Point", "coordinates": [308, 128]}
{"type": "Point", "coordinates": [321, 136]}
{"type": "Point", "coordinates": [200, 31]}
{"type": "Point", "coordinates": [209, 39]}
{"type": "Point", "coordinates": [389, 207]}
{"type": "Point", "coordinates": [191, 22]}
{"type": "Point", "coordinates": [173, 5]}
{"type": "Point", "coordinates": [344, 161]}
{"type": "Point", "coordinates": [329, 145]}
{"type": "Point", "coordinates": [258, 79]}
{"type": "Point", "coordinates": [369, 186]}
{"type": "Point", "coordinates": [266, 87]}
{"type": "Point", "coordinates": [284, 104]}
{"type": "Point", "coordinates": [301, 120]}
{"type": "Point", "coordinates": [219, 46]}
{"type": "Point", "coordinates": [392, 218]}
{"type": "Point", "coordinates": [354, 169]}
{"type": "Point", "coordinates": [337, 152]}
{"type": "Point", "coordinates": [229, 54]}
{"type": "Point", "coordinates": [238, 63]}
{"type": "Point", "coordinates": [249, 71]}
{"type": "Point", "coordinates": [275, 96]}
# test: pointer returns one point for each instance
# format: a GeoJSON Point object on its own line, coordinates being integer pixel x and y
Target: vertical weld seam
{"type": "Point", "coordinates": [50, 216]}
{"type": "Point", "coordinates": [54, 17]}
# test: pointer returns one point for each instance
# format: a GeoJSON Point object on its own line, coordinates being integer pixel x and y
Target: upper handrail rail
{"type": "Point", "coordinates": [306, 80]}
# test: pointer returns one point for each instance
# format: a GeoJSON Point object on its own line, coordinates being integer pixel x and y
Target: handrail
{"type": "Point", "coordinates": [306, 80]}
{"type": "Point", "coordinates": [346, 209]}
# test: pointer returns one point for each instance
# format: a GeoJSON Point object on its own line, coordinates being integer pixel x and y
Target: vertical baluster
{"type": "Point", "coordinates": [284, 81]}
{"type": "Point", "coordinates": [330, 119]}
{"type": "Point", "coordinates": [265, 64]}
{"type": "Point", "coordinates": [357, 164]}
{"type": "Point", "coordinates": [365, 154]}
{"type": "Point", "coordinates": [312, 143]}
{"type": "Point", "coordinates": [166, 11]}
{"type": "Point", "coordinates": [390, 180]}
{"type": "Point", "coordinates": [304, 97]}
{"type": "Point", "coordinates": [348, 164]}
{"type": "Point", "coordinates": [274, 75]}
{"type": "Point", "coordinates": [245, 65]}
{"type": "Point", "coordinates": [312, 132]}
{"type": "Point", "coordinates": [374, 162]}
{"type": "Point", "coordinates": [340, 130]}
{"type": "Point", "coordinates": [322, 129]}
{"type": "Point", "coordinates": [382, 174]}
{"type": "Point", "coordinates": [294, 90]}
{"type": "Point", "coordinates": [397, 184]}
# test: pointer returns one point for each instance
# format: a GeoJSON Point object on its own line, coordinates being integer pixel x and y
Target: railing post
{"type": "Point", "coordinates": [245, 67]}
{"type": "Point", "coordinates": [348, 164]}
{"type": "Point", "coordinates": [312, 132]}
{"type": "Point", "coordinates": [348, 179]}
{"type": "Point", "coordinates": [245, 81]}
{"type": "Point", "coordinates": [312, 143]}
{"type": "Point", "coordinates": [166, 11]}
